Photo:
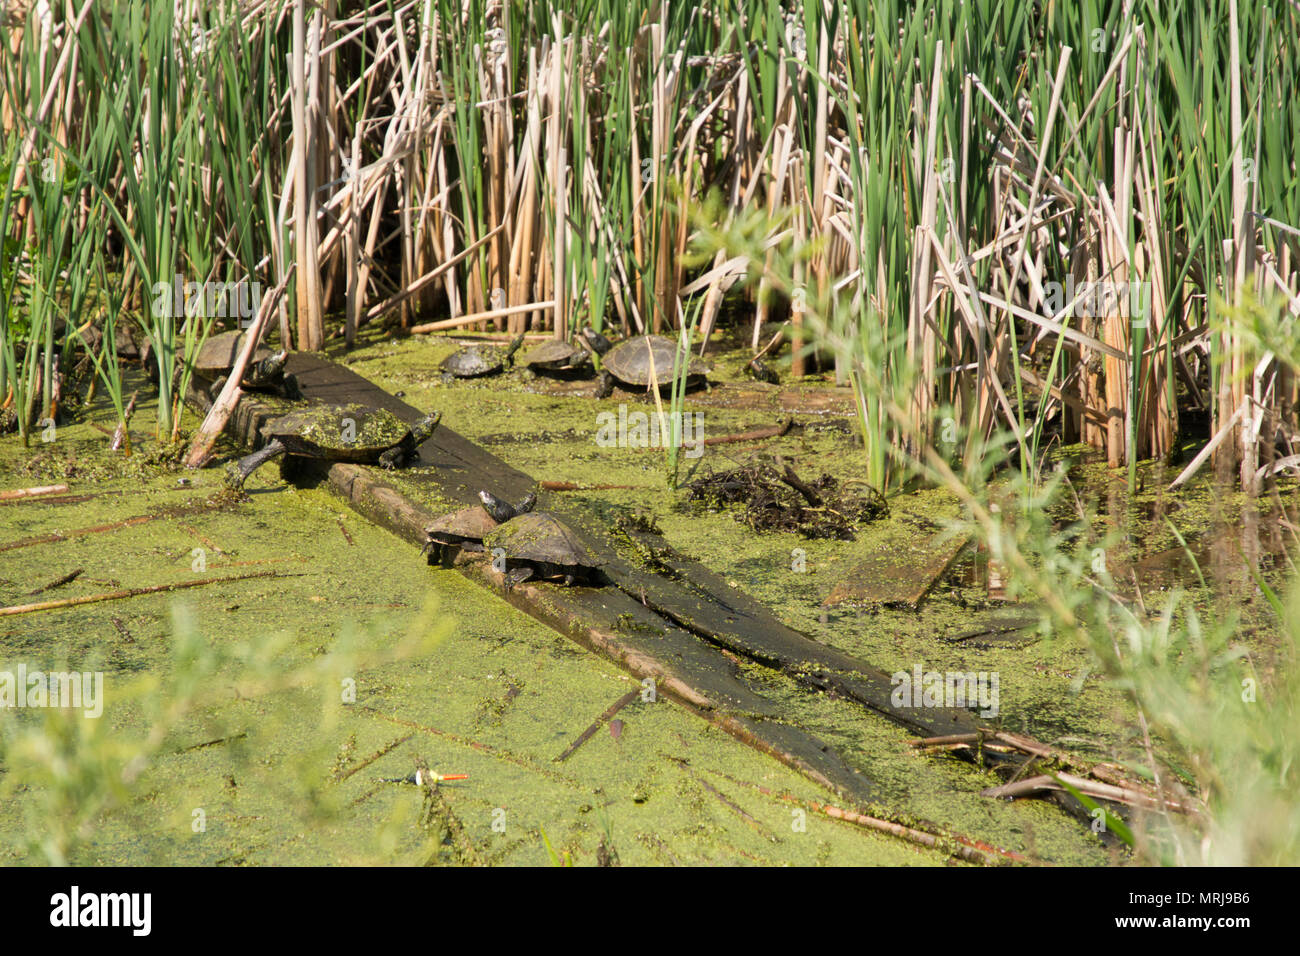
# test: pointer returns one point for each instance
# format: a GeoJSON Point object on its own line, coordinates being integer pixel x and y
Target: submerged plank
{"type": "Point", "coordinates": [894, 577]}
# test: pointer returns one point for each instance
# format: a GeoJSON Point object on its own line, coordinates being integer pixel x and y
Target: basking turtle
{"type": "Point", "coordinates": [760, 371]}
{"type": "Point", "coordinates": [539, 545]}
{"type": "Point", "coordinates": [464, 530]}
{"type": "Point", "coordinates": [265, 370]}
{"type": "Point", "coordinates": [629, 362]}
{"type": "Point", "coordinates": [339, 433]}
{"type": "Point", "coordinates": [557, 356]}
{"type": "Point", "coordinates": [476, 360]}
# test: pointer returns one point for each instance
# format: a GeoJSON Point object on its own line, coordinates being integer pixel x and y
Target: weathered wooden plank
{"type": "Point", "coordinates": [605, 620]}
{"type": "Point", "coordinates": [898, 577]}
{"type": "Point", "coordinates": [681, 591]}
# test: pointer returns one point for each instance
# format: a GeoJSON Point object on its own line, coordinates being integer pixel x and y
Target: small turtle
{"type": "Point", "coordinates": [339, 433]}
{"type": "Point", "coordinates": [760, 371]}
{"type": "Point", "coordinates": [556, 356]}
{"type": "Point", "coordinates": [629, 362]}
{"type": "Point", "coordinates": [539, 545]}
{"type": "Point", "coordinates": [265, 370]}
{"type": "Point", "coordinates": [474, 361]}
{"type": "Point", "coordinates": [464, 530]}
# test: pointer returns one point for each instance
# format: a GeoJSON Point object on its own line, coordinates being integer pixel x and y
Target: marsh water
{"type": "Point", "coordinates": [325, 680]}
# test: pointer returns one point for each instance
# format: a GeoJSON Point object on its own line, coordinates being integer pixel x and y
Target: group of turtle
{"type": "Point", "coordinates": [636, 362]}
{"type": "Point", "coordinates": [530, 544]}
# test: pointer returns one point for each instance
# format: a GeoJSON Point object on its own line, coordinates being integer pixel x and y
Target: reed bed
{"type": "Point", "coordinates": [1029, 220]}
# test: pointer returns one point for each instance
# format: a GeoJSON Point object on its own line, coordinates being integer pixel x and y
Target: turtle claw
{"type": "Point", "coordinates": [516, 576]}
{"type": "Point", "coordinates": [234, 477]}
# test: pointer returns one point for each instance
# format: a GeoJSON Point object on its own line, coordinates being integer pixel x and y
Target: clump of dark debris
{"type": "Point", "coordinates": [774, 498]}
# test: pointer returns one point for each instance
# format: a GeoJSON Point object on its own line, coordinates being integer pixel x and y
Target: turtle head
{"type": "Point", "coordinates": [501, 511]}
{"type": "Point", "coordinates": [267, 371]}
{"type": "Point", "coordinates": [514, 345]}
{"type": "Point", "coordinates": [425, 427]}
{"type": "Point", "coordinates": [595, 341]}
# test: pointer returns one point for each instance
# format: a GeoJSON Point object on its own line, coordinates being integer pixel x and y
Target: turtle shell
{"type": "Point", "coordinates": [541, 537]}
{"type": "Point", "coordinates": [339, 432]}
{"type": "Point", "coordinates": [468, 524]}
{"type": "Point", "coordinates": [218, 353]}
{"type": "Point", "coordinates": [554, 354]}
{"type": "Point", "coordinates": [475, 360]}
{"type": "Point", "coordinates": [629, 361]}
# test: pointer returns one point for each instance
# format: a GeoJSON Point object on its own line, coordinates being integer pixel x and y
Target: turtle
{"type": "Point", "coordinates": [629, 362]}
{"type": "Point", "coordinates": [558, 356]}
{"type": "Point", "coordinates": [265, 371]}
{"type": "Point", "coordinates": [464, 529]}
{"type": "Point", "coordinates": [474, 361]}
{"type": "Point", "coordinates": [354, 433]}
{"type": "Point", "coordinates": [539, 545]}
{"type": "Point", "coordinates": [760, 371]}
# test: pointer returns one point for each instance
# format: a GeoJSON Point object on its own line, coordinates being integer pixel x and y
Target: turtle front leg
{"type": "Point", "coordinates": [517, 576]}
{"type": "Point", "coordinates": [605, 386]}
{"type": "Point", "coordinates": [397, 457]}
{"type": "Point", "coordinates": [215, 388]}
{"type": "Point", "coordinates": [250, 463]}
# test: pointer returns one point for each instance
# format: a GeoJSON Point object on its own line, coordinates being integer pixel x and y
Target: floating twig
{"type": "Point", "coordinates": [610, 711]}
{"type": "Point", "coordinates": [344, 529]}
{"type": "Point", "coordinates": [13, 494]}
{"type": "Point", "coordinates": [52, 500]}
{"type": "Point", "coordinates": [211, 743]}
{"type": "Point", "coordinates": [59, 582]}
{"type": "Point", "coordinates": [966, 848]}
{"type": "Point", "coordinates": [1089, 788]}
{"type": "Point", "coordinates": [381, 752]}
{"type": "Point", "coordinates": [102, 528]}
{"type": "Point", "coordinates": [128, 593]}
{"type": "Point", "coordinates": [771, 431]}
{"type": "Point", "coordinates": [725, 800]}
{"type": "Point", "coordinates": [574, 486]}
{"type": "Point", "coordinates": [123, 630]}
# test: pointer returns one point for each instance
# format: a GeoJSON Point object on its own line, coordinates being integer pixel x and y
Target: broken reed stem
{"type": "Point", "coordinates": [58, 582]}
{"type": "Point", "coordinates": [600, 721]}
{"type": "Point", "coordinates": [14, 494]}
{"type": "Point", "coordinates": [966, 848]}
{"type": "Point", "coordinates": [771, 431]}
{"type": "Point", "coordinates": [103, 528]}
{"type": "Point", "coordinates": [480, 317]}
{"type": "Point", "coordinates": [128, 593]}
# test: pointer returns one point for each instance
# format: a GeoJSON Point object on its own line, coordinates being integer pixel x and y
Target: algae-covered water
{"type": "Point", "coordinates": [313, 691]}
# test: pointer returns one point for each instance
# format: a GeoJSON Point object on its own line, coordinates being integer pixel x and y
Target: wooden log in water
{"type": "Point", "coordinates": [673, 623]}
